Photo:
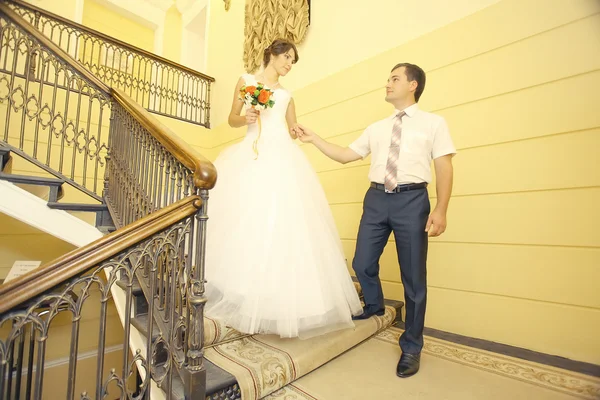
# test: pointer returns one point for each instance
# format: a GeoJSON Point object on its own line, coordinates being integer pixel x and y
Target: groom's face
{"type": "Point", "coordinates": [398, 86]}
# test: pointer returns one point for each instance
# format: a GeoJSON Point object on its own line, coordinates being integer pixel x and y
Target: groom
{"type": "Point", "coordinates": [402, 147]}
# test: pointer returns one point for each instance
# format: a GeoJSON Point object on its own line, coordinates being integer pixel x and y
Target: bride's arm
{"type": "Point", "coordinates": [235, 119]}
{"type": "Point", "coordinates": [290, 117]}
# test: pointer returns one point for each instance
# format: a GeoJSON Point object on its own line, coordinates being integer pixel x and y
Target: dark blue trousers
{"type": "Point", "coordinates": [405, 214]}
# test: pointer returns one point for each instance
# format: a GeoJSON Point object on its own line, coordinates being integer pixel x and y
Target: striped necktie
{"type": "Point", "coordinates": [391, 168]}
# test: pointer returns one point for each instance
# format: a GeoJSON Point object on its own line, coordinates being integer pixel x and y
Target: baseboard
{"type": "Point", "coordinates": [512, 351]}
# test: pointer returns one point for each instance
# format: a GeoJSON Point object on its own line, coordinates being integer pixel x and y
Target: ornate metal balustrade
{"type": "Point", "coordinates": [61, 117]}
{"type": "Point", "coordinates": [146, 174]}
{"type": "Point", "coordinates": [155, 251]}
{"type": "Point", "coordinates": [159, 85]}
{"type": "Point", "coordinates": [53, 114]}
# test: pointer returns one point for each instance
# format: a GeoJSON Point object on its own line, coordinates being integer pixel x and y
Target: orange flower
{"type": "Point", "coordinates": [250, 89]}
{"type": "Point", "coordinates": [263, 96]}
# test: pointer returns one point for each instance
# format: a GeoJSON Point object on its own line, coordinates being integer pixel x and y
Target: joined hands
{"type": "Point", "coordinates": [303, 133]}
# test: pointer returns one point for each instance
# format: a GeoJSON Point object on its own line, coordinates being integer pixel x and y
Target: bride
{"type": "Point", "coordinates": [274, 260]}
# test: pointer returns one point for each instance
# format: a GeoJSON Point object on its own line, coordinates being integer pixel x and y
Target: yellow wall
{"type": "Point", "coordinates": [224, 60]}
{"type": "Point", "coordinates": [341, 34]}
{"type": "Point", "coordinates": [101, 18]}
{"type": "Point", "coordinates": [58, 349]}
{"type": "Point", "coordinates": [82, 116]}
{"type": "Point", "coordinates": [15, 244]}
{"type": "Point", "coordinates": [172, 35]}
{"type": "Point", "coordinates": [517, 83]}
{"type": "Point", "coordinates": [65, 8]}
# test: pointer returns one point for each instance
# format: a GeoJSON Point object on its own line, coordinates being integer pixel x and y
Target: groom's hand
{"type": "Point", "coordinates": [305, 134]}
{"type": "Point", "coordinates": [436, 224]}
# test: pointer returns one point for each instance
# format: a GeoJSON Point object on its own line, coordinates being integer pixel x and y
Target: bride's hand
{"type": "Point", "coordinates": [251, 116]}
{"type": "Point", "coordinates": [295, 130]}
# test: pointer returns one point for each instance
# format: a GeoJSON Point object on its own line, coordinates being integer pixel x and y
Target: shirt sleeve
{"type": "Point", "coordinates": [362, 145]}
{"type": "Point", "coordinates": [442, 142]}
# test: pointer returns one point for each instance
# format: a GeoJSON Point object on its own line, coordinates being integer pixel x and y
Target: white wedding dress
{"type": "Point", "coordinates": [274, 260]}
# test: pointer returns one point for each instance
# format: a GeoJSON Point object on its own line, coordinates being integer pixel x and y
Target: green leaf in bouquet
{"type": "Point", "coordinates": [256, 93]}
{"type": "Point", "coordinates": [254, 102]}
{"type": "Point", "coordinates": [271, 103]}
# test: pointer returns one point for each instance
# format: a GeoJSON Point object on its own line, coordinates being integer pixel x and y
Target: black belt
{"type": "Point", "coordinates": [400, 188]}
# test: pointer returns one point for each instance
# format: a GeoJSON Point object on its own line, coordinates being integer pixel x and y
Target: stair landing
{"type": "Point", "coordinates": [263, 364]}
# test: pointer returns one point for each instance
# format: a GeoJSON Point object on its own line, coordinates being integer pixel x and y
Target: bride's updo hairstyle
{"type": "Point", "coordinates": [279, 46]}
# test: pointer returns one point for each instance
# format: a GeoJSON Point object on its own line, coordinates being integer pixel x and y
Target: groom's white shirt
{"type": "Point", "coordinates": [425, 137]}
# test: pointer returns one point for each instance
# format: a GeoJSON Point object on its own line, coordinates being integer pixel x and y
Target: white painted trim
{"type": "Point", "coordinates": [163, 5]}
{"type": "Point", "coordinates": [65, 360]}
{"type": "Point", "coordinates": [206, 39]}
{"type": "Point", "coordinates": [184, 6]}
{"type": "Point", "coordinates": [136, 339]}
{"type": "Point", "coordinates": [183, 47]}
{"type": "Point", "coordinates": [79, 11]}
{"type": "Point", "coordinates": [189, 10]}
{"type": "Point", "coordinates": [30, 209]}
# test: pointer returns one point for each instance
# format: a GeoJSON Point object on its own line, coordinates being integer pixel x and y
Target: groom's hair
{"type": "Point", "coordinates": [414, 73]}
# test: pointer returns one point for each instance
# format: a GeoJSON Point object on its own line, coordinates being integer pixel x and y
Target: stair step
{"type": "Point", "coordinates": [291, 358]}
{"type": "Point", "coordinates": [77, 207]}
{"type": "Point", "coordinates": [106, 229]}
{"type": "Point", "coordinates": [140, 322]}
{"type": "Point", "coordinates": [4, 157]}
{"type": "Point", "coordinates": [55, 184]}
{"type": "Point", "coordinates": [215, 331]}
{"type": "Point", "coordinates": [136, 289]}
{"type": "Point", "coordinates": [229, 392]}
{"type": "Point", "coordinates": [31, 180]}
{"type": "Point", "coordinates": [398, 306]}
{"type": "Point", "coordinates": [217, 379]}
{"type": "Point", "coordinates": [140, 305]}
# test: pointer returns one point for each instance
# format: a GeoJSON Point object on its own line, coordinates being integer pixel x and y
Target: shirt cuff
{"type": "Point", "coordinates": [357, 150]}
{"type": "Point", "coordinates": [444, 153]}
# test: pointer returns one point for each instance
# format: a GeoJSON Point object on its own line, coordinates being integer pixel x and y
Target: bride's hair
{"type": "Point", "coordinates": [279, 46]}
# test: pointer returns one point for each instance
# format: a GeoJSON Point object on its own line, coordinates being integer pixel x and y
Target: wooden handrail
{"type": "Point", "coordinates": [205, 174]}
{"type": "Point", "coordinates": [113, 40]}
{"type": "Point", "coordinates": [60, 53]}
{"type": "Point", "coordinates": [85, 258]}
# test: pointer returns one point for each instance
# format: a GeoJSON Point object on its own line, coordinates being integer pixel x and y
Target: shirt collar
{"type": "Point", "coordinates": [410, 111]}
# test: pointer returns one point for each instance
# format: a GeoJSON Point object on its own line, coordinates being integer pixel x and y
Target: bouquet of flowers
{"type": "Point", "coordinates": [260, 98]}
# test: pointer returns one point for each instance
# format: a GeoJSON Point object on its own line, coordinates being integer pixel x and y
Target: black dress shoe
{"type": "Point", "coordinates": [408, 365]}
{"type": "Point", "coordinates": [368, 314]}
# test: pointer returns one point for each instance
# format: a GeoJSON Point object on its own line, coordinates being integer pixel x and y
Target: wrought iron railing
{"type": "Point", "coordinates": [155, 251]}
{"type": "Point", "coordinates": [55, 115]}
{"type": "Point", "coordinates": [159, 85]}
{"type": "Point", "coordinates": [156, 188]}
{"type": "Point", "coordinates": [145, 173]}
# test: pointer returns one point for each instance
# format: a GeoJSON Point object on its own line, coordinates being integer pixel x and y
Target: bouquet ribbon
{"type": "Point", "coordinates": [259, 98]}
{"type": "Point", "coordinates": [255, 143]}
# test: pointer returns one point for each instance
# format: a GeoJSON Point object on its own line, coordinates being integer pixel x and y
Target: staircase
{"type": "Point", "coordinates": [87, 126]}
{"type": "Point", "coordinates": [18, 202]}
